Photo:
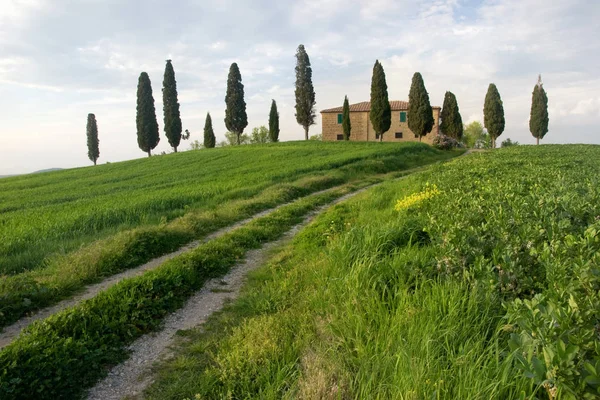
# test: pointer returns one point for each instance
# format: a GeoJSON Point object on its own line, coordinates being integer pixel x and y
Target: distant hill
{"type": "Point", "coordinates": [35, 172]}
{"type": "Point", "coordinates": [47, 170]}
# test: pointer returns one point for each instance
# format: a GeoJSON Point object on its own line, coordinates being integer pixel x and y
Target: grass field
{"type": "Point", "coordinates": [477, 279]}
{"type": "Point", "coordinates": [71, 228]}
{"type": "Point", "coordinates": [54, 213]}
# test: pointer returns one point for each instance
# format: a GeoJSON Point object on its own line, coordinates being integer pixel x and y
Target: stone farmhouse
{"type": "Point", "coordinates": [362, 129]}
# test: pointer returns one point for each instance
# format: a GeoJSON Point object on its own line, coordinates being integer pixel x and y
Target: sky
{"type": "Point", "coordinates": [63, 59]}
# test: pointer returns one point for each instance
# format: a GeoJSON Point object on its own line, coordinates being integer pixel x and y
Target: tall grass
{"type": "Point", "coordinates": [57, 212]}
{"type": "Point", "coordinates": [487, 289]}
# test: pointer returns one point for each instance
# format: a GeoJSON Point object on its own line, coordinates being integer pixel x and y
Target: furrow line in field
{"type": "Point", "coordinates": [131, 377]}
{"type": "Point", "coordinates": [9, 333]}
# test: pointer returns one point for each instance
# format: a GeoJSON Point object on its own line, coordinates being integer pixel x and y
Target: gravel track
{"type": "Point", "coordinates": [132, 376]}
{"type": "Point", "coordinates": [9, 333]}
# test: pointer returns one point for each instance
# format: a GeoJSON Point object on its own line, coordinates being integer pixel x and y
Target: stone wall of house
{"type": "Point", "coordinates": [362, 129]}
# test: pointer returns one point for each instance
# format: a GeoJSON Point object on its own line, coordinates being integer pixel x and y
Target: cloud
{"type": "Point", "coordinates": [61, 62]}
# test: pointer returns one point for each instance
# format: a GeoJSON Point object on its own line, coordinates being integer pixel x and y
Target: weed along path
{"type": "Point", "coordinates": [132, 376]}
{"type": "Point", "coordinates": [10, 332]}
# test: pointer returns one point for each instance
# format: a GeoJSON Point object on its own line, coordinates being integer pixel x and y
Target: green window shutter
{"type": "Point", "coordinates": [340, 118]}
{"type": "Point", "coordinates": [402, 116]}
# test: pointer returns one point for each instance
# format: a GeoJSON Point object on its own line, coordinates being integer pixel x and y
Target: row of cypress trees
{"type": "Point", "coordinates": [420, 114]}
{"type": "Point", "coordinates": [236, 118]}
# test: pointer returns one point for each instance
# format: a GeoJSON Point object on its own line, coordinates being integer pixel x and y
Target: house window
{"type": "Point", "coordinates": [416, 136]}
{"type": "Point", "coordinates": [377, 136]}
{"type": "Point", "coordinates": [402, 116]}
{"type": "Point", "coordinates": [340, 137]}
{"type": "Point", "coordinates": [340, 118]}
{"type": "Point", "coordinates": [398, 135]}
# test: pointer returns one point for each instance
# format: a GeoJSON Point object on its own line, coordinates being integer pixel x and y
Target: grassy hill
{"type": "Point", "coordinates": [57, 212]}
{"type": "Point", "coordinates": [62, 230]}
{"type": "Point", "coordinates": [478, 279]}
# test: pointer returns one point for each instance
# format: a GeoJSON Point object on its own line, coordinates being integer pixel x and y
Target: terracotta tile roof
{"type": "Point", "coordinates": [365, 106]}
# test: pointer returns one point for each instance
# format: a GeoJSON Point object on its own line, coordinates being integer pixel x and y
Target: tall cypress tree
{"type": "Point", "coordinates": [451, 124]}
{"type": "Point", "coordinates": [209, 134]}
{"type": "Point", "coordinates": [236, 118]}
{"type": "Point", "coordinates": [92, 138]}
{"type": "Point", "coordinates": [172, 117]}
{"type": "Point", "coordinates": [274, 123]}
{"type": "Point", "coordinates": [493, 113]}
{"type": "Point", "coordinates": [420, 114]}
{"type": "Point", "coordinates": [346, 125]}
{"type": "Point", "coordinates": [381, 112]}
{"type": "Point", "coordinates": [305, 92]}
{"type": "Point", "coordinates": [147, 127]}
{"type": "Point", "coordinates": [538, 120]}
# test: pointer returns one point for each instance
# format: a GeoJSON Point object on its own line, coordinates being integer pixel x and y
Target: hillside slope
{"type": "Point", "coordinates": [476, 280]}
{"type": "Point", "coordinates": [56, 212]}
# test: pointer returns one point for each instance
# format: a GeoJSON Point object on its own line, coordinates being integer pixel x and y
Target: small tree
{"type": "Point", "coordinates": [381, 112]}
{"type": "Point", "coordinates": [209, 134]}
{"type": "Point", "coordinates": [260, 135]}
{"type": "Point", "coordinates": [92, 138]}
{"type": "Point", "coordinates": [172, 117]}
{"type": "Point", "coordinates": [420, 114]}
{"type": "Point", "coordinates": [346, 125]}
{"type": "Point", "coordinates": [233, 139]}
{"type": "Point", "coordinates": [305, 92]}
{"type": "Point", "coordinates": [236, 118]}
{"type": "Point", "coordinates": [451, 124]}
{"type": "Point", "coordinates": [274, 123]}
{"type": "Point", "coordinates": [508, 143]}
{"type": "Point", "coordinates": [475, 136]}
{"type": "Point", "coordinates": [538, 120]}
{"type": "Point", "coordinates": [147, 127]}
{"type": "Point", "coordinates": [493, 114]}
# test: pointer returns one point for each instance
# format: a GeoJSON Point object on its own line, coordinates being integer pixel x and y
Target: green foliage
{"type": "Point", "coordinates": [260, 135]}
{"type": "Point", "coordinates": [305, 92]}
{"type": "Point", "coordinates": [62, 230]}
{"type": "Point", "coordinates": [209, 134]}
{"type": "Point", "coordinates": [496, 299]}
{"type": "Point", "coordinates": [274, 123]}
{"type": "Point", "coordinates": [451, 124]}
{"type": "Point", "coordinates": [172, 118]}
{"type": "Point", "coordinates": [92, 138]}
{"type": "Point", "coordinates": [318, 137]}
{"type": "Point", "coordinates": [538, 119]}
{"type": "Point", "coordinates": [475, 136]}
{"type": "Point", "coordinates": [196, 145]}
{"type": "Point", "coordinates": [147, 127]}
{"type": "Point", "coordinates": [346, 126]}
{"type": "Point", "coordinates": [381, 113]}
{"type": "Point", "coordinates": [420, 113]}
{"type": "Point", "coordinates": [493, 114]}
{"type": "Point", "coordinates": [508, 143]}
{"type": "Point", "coordinates": [63, 355]}
{"type": "Point", "coordinates": [233, 139]}
{"type": "Point", "coordinates": [236, 118]}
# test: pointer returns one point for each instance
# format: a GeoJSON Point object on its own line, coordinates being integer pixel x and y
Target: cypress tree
{"type": "Point", "coordinates": [452, 124]}
{"type": "Point", "coordinates": [274, 123]}
{"type": "Point", "coordinates": [381, 112]}
{"type": "Point", "coordinates": [305, 92]}
{"type": "Point", "coordinates": [147, 127]}
{"type": "Point", "coordinates": [209, 134]}
{"type": "Point", "coordinates": [236, 118]}
{"type": "Point", "coordinates": [493, 114]}
{"type": "Point", "coordinates": [346, 125]}
{"type": "Point", "coordinates": [172, 117]}
{"type": "Point", "coordinates": [92, 138]}
{"type": "Point", "coordinates": [420, 115]}
{"type": "Point", "coordinates": [538, 120]}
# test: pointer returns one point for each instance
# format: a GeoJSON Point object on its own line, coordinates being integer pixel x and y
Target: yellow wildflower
{"type": "Point", "coordinates": [429, 192]}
